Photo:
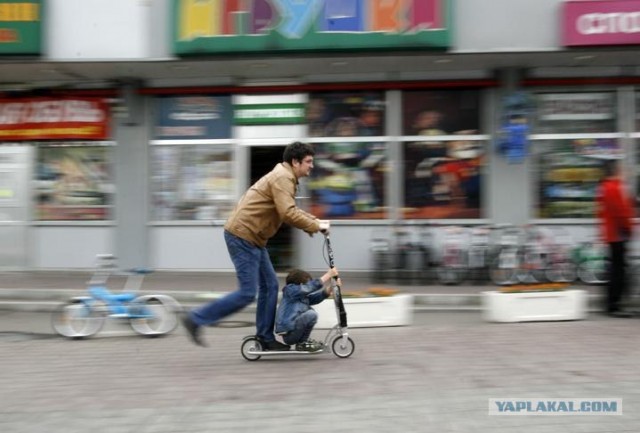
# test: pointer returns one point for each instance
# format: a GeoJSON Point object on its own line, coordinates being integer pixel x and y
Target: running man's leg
{"type": "Point", "coordinates": [267, 298]}
{"type": "Point", "coordinates": [246, 260]}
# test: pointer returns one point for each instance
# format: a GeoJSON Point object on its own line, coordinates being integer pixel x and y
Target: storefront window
{"type": "Point", "coordinates": [192, 176]}
{"type": "Point", "coordinates": [636, 136]}
{"type": "Point", "coordinates": [575, 133]}
{"type": "Point", "coordinates": [350, 164]}
{"type": "Point", "coordinates": [192, 182]}
{"type": "Point", "coordinates": [74, 183]}
{"type": "Point", "coordinates": [443, 154]}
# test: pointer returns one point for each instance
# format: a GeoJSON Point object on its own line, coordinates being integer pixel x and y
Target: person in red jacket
{"type": "Point", "coordinates": [615, 212]}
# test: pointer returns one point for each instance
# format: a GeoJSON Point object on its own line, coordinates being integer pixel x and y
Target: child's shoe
{"type": "Point", "coordinates": [309, 346]}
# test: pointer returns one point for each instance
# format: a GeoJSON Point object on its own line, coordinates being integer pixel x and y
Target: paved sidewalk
{"type": "Point", "coordinates": [437, 376]}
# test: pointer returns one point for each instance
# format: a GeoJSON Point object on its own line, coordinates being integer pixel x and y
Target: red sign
{"type": "Point", "coordinates": [53, 119]}
{"type": "Point", "coordinates": [607, 22]}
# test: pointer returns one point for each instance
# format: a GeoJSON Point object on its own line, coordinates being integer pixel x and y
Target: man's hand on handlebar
{"type": "Point", "coordinates": [324, 226]}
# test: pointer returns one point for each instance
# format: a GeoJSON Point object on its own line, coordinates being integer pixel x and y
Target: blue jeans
{"type": "Point", "coordinates": [303, 327]}
{"type": "Point", "coordinates": [255, 273]}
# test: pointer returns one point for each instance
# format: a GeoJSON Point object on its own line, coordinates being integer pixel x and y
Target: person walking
{"type": "Point", "coordinates": [615, 212]}
{"type": "Point", "coordinates": [263, 208]}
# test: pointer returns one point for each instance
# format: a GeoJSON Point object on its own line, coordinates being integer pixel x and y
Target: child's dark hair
{"type": "Point", "coordinates": [298, 276]}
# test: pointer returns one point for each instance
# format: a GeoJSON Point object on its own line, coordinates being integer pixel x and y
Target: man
{"type": "Point", "coordinates": [256, 218]}
{"type": "Point", "coordinates": [615, 212]}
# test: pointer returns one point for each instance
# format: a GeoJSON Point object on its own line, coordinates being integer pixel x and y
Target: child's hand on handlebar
{"type": "Point", "coordinates": [333, 272]}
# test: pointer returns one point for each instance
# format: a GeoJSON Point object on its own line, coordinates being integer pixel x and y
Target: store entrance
{"type": "Point", "coordinates": [281, 248]}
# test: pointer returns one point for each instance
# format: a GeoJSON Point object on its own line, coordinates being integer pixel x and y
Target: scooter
{"type": "Point", "coordinates": [337, 339]}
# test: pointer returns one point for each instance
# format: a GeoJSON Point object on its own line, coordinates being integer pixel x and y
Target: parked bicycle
{"type": "Point", "coordinates": [84, 316]}
{"type": "Point", "coordinates": [592, 261]}
{"type": "Point", "coordinates": [453, 267]}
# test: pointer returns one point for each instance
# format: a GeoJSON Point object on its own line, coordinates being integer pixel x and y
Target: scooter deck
{"type": "Point", "coordinates": [285, 352]}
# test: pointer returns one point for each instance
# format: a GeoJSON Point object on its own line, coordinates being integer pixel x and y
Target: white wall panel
{"type": "Point", "coordinates": [98, 29]}
{"type": "Point", "coordinates": [70, 247]}
{"type": "Point", "coordinates": [495, 25]}
{"type": "Point", "coordinates": [189, 248]}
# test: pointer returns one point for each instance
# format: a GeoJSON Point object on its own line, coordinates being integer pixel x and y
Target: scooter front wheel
{"type": "Point", "coordinates": [250, 345]}
{"type": "Point", "coordinates": [343, 347]}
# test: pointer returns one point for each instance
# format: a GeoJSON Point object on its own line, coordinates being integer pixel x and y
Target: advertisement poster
{"type": "Point", "coordinates": [53, 119]}
{"type": "Point", "coordinates": [348, 178]}
{"type": "Point", "coordinates": [193, 117]}
{"type": "Point", "coordinates": [73, 183]}
{"type": "Point", "coordinates": [21, 27]}
{"type": "Point", "coordinates": [442, 176]}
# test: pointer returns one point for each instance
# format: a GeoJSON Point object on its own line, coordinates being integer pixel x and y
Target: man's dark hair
{"type": "Point", "coordinates": [298, 276]}
{"type": "Point", "coordinates": [298, 151]}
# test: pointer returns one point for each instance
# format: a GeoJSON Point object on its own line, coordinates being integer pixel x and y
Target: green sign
{"type": "Point", "coordinates": [233, 26]}
{"type": "Point", "coordinates": [269, 114]}
{"type": "Point", "coordinates": [20, 27]}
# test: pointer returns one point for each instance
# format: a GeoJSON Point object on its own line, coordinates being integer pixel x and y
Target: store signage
{"type": "Point", "coordinates": [607, 22]}
{"type": "Point", "coordinates": [20, 27]}
{"type": "Point", "coordinates": [212, 26]}
{"type": "Point", "coordinates": [53, 119]}
{"type": "Point", "coordinates": [575, 106]}
{"type": "Point", "coordinates": [193, 117]}
{"type": "Point", "coordinates": [269, 114]}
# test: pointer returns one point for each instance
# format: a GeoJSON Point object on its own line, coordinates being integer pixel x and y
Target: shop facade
{"type": "Point", "coordinates": [482, 143]}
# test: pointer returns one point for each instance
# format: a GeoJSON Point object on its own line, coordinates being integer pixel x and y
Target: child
{"type": "Point", "coordinates": [295, 318]}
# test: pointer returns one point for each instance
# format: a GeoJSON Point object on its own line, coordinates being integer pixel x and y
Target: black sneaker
{"type": "Point", "coordinates": [309, 346]}
{"type": "Point", "coordinates": [274, 345]}
{"type": "Point", "coordinates": [193, 330]}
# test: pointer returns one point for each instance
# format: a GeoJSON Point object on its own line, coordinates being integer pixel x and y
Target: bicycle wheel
{"type": "Point", "coordinates": [594, 271]}
{"type": "Point", "coordinates": [151, 316]}
{"type": "Point", "coordinates": [77, 319]}
{"type": "Point", "coordinates": [342, 348]}
{"type": "Point", "coordinates": [562, 272]}
{"type": "Point", "coordinates": [503, 275]}
{"type": "Point", "coordinates": [451, 275]}
{"type": "Point", "coordinates": [250, 345]}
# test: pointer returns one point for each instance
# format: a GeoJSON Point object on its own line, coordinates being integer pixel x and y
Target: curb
{"type": "Point", "coordinates": [45, 300]}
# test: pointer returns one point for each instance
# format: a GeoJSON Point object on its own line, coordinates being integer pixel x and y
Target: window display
{"type": "Point", "coordinates": [192, 182]}
{"type": "Point", "coordinates": [73, 183]}
{"type": "Point", "coordinates": [442, 171]}
{"type": "Point", "coordinates": [350, 165]}
{"type": "Point", "coordinates": [569, 178]}
{"type": "Point", "coordinates": [570, 168]}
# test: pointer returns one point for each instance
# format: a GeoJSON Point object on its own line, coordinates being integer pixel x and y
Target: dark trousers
{"type": "Point", "coordinates": [304, 325]}
{"type": "Point", "coordinates": [617, 287]}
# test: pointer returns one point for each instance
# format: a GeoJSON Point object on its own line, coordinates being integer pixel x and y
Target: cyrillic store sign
{"type": "Point", "coordinates": [195, 117]}
{"type": "Point", "coordinates": [607, 22]}
{"type": "Point", "coordinates": [269, 114]}
{"type": "Point", "coordinates": [213, 26]}
{"type": "Point", "coordinates": [53, 119]}
{"type": "Point", "coordinates": [20, 24]}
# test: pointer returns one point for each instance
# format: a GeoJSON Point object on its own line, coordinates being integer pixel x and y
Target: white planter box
{"type": "Point", "coordinates": [368, 312]}
{"type": "Point", "coordinates": [534, 306]}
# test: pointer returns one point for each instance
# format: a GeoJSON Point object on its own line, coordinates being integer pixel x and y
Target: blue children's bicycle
{"type": "Point", "coordinates": [84, 316]}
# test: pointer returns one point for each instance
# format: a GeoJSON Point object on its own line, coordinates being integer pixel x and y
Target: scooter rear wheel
{"type": "Point", "coordinates": [342, 348]}
{"type": "Point", "coordinates": [249, 345]}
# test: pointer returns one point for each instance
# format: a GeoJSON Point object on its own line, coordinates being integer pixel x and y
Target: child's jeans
{"type": "Point", "coordinates": [304, 325]}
